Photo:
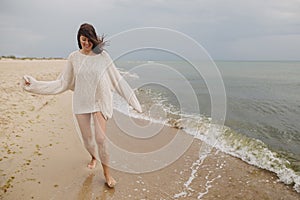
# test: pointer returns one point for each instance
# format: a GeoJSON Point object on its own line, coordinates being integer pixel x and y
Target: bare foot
{"type": "Point", "coordinates": [110, 181]}
{"type": "Point", "coordinates": [92, 164]}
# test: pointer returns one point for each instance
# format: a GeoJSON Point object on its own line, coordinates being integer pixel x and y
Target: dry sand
{"type": "Point", "coordinates": [41, 156]}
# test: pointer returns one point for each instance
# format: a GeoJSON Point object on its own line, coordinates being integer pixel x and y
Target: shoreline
{"type": "Point", "coordinates": [42, 156]}
{"type": "Point", "coordinates": [12, 58]}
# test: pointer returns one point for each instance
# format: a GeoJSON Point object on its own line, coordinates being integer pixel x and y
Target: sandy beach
{"type": "Point", "coordinates": [42, 157]}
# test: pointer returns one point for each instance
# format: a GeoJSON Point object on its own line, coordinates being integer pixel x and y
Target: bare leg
{"type": "Point", "coordinates": [100, 129]}
{"type": "Point", "coordinates": [84, 122]}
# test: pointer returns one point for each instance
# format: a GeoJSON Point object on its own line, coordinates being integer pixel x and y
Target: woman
{"type": "Point", "coordinates": [91, 74]}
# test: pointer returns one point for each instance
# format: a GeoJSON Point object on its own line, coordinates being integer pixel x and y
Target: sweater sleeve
{"type": "Point", "coordinates": [119, 84]}
{"type": "Point", "coordinates": [63, 82]}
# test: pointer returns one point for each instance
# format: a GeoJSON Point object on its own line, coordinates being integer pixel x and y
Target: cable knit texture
{"type": "Point", "coordinates": [92, 78]}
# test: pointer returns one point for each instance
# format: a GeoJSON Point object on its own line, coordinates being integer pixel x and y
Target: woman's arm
{"type": "Point", "coordinates": [63, 82]}
{"type": "Point", "coordinates": [119, 84]}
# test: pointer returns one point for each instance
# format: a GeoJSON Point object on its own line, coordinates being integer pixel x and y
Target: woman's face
{"type": "Point", "coordinates": [85, 43]}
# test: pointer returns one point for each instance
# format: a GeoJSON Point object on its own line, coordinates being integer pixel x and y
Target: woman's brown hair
{"type": "Point", "coordinates": [88, 31]}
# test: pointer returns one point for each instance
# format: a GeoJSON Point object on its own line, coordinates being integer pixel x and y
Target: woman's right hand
{"type": "Point", "coordinates": [26, 80]}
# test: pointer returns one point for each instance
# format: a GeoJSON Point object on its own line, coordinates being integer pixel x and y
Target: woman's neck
{"type": "Point", "coordinates": [87, 52]}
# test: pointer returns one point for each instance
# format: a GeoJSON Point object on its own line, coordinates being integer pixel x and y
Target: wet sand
{"type": "Point", "coordinates": [42, 157]}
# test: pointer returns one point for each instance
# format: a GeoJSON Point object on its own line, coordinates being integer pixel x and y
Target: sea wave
{"type": "Point", "coordinates": [250, 150]}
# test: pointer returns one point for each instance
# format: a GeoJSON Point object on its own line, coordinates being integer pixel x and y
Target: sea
{"type": "Point", "coordinates": [262, 121]}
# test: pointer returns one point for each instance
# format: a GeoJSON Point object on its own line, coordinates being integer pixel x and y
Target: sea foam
{"type": "Point", "coordinates": [250, 150]}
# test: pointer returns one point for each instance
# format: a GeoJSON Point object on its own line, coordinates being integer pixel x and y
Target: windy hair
{"type": "Point", "coordinates": [87, 30]}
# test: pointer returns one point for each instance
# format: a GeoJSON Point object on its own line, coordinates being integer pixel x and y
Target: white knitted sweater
{"type": "Point", "coordinates": [92, 78]}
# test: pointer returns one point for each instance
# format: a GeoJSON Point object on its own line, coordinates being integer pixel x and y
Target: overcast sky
{"type": "Point", "coordinates": [227, 29]}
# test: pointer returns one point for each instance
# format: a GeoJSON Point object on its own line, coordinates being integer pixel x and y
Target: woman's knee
{"type": "Point", "coordinates": [100, 139]}
{"type": "Point", "coordinates": [88, 139]}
